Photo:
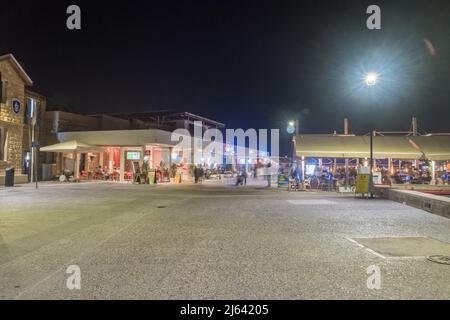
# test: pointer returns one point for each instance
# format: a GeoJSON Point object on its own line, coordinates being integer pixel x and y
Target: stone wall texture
{"type": "Point", "coordinates": [17, 136]}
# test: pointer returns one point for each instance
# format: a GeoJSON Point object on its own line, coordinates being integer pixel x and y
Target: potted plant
{"type": "Point", "coordinates": [172, 171]}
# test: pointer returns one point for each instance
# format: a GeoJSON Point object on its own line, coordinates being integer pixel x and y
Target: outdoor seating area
{"type": "Point", "coordinates": [332, 162]}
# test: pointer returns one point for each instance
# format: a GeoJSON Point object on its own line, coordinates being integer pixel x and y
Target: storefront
{"type": "Point", "coordinates": [119, 155]}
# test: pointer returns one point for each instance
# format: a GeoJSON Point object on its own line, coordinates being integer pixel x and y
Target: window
{"type": "Point", "coordinates": [29, 109]}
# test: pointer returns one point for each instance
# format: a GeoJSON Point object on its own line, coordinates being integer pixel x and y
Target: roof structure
{"type": "Point", "coordinates": [166, 115]}
{"type": "Point", "coordinates": [18, 68]}
{"type": "Point", "coordinates": [396, 147]}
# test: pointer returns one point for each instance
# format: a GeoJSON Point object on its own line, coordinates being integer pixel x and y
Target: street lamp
{"type": "Point", "coordinates": [371, 79]}
{"type": "Point", "coordinates": [291, 129]}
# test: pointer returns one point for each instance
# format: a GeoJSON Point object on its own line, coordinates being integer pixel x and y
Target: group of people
{"type": "Point", "coordinates": [101, 174]}
{"type": "Point", "coordinates": [199, 174]}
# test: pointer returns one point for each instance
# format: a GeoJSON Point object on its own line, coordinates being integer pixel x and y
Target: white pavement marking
{"type": "Point", "coordinates": [384, 257]}
{"type": "Point", "coordinates": [310, 202]}
{"type": "Point", "coordinates": [355, 242]}
{"type": "Point", "coordinates": [367, 249]}
{"type": "Point", "coordinates": [419, 258]}
{"type": "Point", "coordinates": [375, 253]}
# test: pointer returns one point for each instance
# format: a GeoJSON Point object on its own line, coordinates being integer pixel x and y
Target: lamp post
{"type": "Point", "coordinates": [292, 130]}
{"type": "Point", "coordinates": [372, 133]}
{"type": "Point", "coordinates": [371, 79]}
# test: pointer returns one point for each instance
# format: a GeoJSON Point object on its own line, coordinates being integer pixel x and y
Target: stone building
{"type": "Point", "coordinates": [16, 104]}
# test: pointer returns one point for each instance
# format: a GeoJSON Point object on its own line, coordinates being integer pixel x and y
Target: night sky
{"type": "Point", "coordinates": [245, 63]}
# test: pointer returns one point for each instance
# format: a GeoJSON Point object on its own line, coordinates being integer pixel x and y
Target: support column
{"type": "Point", "coordinates": [303, 171]}
{"type": "Point", "coordinates": [142, 156]}
{"type": "Point", "coordinates": [77, 166]}
{"type": "Point", "coordinates": [100, 159]}
{"type": "Point", "coordinates": [111, 160]}
{"type": "Point", "coordinates": [60, 163]}
{"type": "Point", "coordinates": [433, 173]}
{"type": "Point", "coordinates": [122, 164]}
{"type": "Point", "coordinates": [152, 157]}
{"type": "Point", "coordinates": [346, 172]}
{"type": "Point", "coordinates": [170, 162]}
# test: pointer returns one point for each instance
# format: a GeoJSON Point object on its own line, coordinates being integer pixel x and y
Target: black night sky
{"type": "Point", "coordinates": [245, 63]}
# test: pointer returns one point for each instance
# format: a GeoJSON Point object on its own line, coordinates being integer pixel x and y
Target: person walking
{"type": "Point", "coordinates": [196, 174]}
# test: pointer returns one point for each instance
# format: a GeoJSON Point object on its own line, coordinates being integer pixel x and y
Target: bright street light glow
{"type": "Point", "coordinates": [291, 127]}
{"type": "Point", "coordinates": [371, 79]}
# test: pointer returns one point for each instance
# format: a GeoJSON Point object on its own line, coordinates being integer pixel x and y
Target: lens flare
{"type": "Point", "coordinates": [371, 78]}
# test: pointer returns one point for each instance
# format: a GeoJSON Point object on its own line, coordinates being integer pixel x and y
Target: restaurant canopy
{"type": "Point", "coordinates": [434, 147]}
{"type": "Point", "coordinates": [70, 146]}
{"type": "Point", "coordinates": [395, 147]}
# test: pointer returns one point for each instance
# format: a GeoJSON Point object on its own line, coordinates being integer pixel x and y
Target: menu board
{"type": "Point", "coordinates": [136, 168]}
{"type": "Point", "coordinates": [133, 155]}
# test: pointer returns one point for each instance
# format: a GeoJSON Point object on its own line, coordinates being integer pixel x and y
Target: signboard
{"type": "Point", "coordinates": [362, 183]}
{"type": "Point", "coordinates": [364, 170]}
{"type": "Point", "coordinates": [133, 155]}
{"type": "Point", "coordinates": [16, 106]}
{"type": "Point", "coordinates": [136, 169]}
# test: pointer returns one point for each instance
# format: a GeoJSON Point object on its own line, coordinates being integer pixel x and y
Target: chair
{"type": "Point", "coordinates": [115, 176]}
{"type": "Point", "coordinates": [128, 175]}
{"type": "Point", "coordinates": [84, 175]}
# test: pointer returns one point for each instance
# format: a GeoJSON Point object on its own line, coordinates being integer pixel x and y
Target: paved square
{"type": "Point", "coordinates": [207, 242]}
{"type": "Point", "coordinates": [405, 246]}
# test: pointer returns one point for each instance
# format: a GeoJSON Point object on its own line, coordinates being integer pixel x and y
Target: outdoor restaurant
{"type": "Point", "coordinates": [333, 161]}
{"type": "Point", "coordinates": [129, 156]}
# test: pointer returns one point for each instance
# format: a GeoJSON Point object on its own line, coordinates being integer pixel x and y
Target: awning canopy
{"type": "Point", "coordinates": [70, 146]}
{"type": "Point", "coordinates": [434, 147]}
{"type": "Point", "coordinates": [395, 147]}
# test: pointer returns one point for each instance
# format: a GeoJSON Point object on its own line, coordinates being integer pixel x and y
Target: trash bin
{"type": "Point", "coordinates": [9, 177]}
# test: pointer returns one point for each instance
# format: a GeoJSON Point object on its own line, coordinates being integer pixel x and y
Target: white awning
{"type": "Point", "coordinates": [70, 146]}
{"type": "Point", "coordinates": [405, 147]}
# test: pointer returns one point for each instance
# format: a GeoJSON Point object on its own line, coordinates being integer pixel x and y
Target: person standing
{"type": "Point", "coordinates": [195, 174]}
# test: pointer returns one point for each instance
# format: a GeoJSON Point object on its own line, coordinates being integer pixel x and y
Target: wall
{"type": "Point", "coordinates": [435, 204]}
{"type": "Point", "coordinates": [11, 121]}
{"type": "Point", "coordinates": [17, 128]}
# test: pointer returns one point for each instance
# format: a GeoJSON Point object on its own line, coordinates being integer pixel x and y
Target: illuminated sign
{"type": "Point", "coordinates": [133, 155]}
{"type": "Point", "coordinates": [16, 105]}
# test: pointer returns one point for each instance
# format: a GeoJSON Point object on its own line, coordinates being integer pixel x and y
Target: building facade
{"type": "Point", "coordinates": [16, 103]}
